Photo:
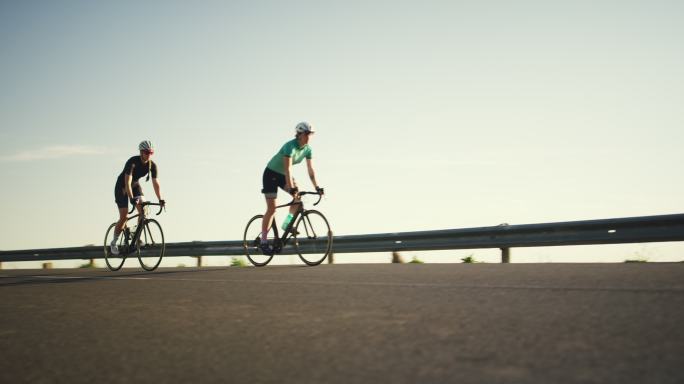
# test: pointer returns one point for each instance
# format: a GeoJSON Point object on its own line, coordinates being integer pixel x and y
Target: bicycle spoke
{"type": "Point", "coordinates": [311, 248]}
{"type": "Point", "coordinates": [115, 262]}
{"type": "Point", "coordinates": [150, 245]}
{"type": "Point", "coordinates": [251, 242]}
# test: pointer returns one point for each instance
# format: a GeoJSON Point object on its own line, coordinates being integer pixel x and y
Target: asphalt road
{"type": "Point", "coordinates": [389, 323]}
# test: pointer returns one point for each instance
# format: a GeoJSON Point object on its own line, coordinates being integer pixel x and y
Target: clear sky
{"type": "Point", "coordinates": [430, 114]}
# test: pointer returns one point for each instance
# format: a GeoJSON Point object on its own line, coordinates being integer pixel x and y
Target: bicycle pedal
{"type": "Point", "coordinates": [266, 249]}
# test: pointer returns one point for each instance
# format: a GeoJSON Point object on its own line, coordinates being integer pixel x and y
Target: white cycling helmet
{"type": "Point", "coordinates": [304, 127]}
{"type": "Point", "coordinates": [146, 145]}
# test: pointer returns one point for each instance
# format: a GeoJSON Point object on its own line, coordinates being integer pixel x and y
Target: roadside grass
{"type": "Point", "coordinates": [237, 262]}
{"type": "Point", "coordinates": [470, 259]}
{"type": "Point", "coordinates": [415, 260]}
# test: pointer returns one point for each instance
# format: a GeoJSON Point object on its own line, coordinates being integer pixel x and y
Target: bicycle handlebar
{"type": "Point", "coordinates": [144, 203]}
{"type": "Point", "coordinates": [320, 196]}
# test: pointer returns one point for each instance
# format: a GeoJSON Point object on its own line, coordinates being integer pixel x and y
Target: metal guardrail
{"type": "Point", "coordinates": [642, 229]}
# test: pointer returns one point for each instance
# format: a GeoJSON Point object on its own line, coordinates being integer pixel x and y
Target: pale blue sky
{"type": "Point", "coordinates": [431, 114]}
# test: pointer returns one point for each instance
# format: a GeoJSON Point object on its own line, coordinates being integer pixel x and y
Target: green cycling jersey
{"type": "Point", "coordinates": [292, 150]}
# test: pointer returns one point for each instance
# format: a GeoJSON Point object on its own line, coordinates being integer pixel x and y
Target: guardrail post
{"type": "Point", "coordinates": [396, 258]}
{"type": "Point", "coordinates": [505, 255]}
{"type": "Point", "coordinates": [331, 258]}
{"type": "Point", "coordinates": [199, 261]}
{"type": "Point", "coordinates": [47, 265]}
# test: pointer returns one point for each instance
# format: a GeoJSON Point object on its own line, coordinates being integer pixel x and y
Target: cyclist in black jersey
{"type": "Point", "coordinates": [128, 188]}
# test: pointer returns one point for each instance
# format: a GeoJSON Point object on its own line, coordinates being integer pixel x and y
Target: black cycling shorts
{"type": "Point", "coordinates": [273, 180]}
{"type": "Point", "coordinates": [121, 197]}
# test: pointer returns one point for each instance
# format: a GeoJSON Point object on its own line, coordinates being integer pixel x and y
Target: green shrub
{"type": "Point", "coordinates": [469, 259]}
{"type": "Point", "coordinates": [237, 262]}
{"type": "Point", "coordinates": [415, 260]}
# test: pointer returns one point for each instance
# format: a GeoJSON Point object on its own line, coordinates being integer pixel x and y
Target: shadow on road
{"type": "Point", "coordinates": [77, 276]}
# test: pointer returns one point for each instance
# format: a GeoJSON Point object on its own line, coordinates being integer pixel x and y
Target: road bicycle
{"type": "Point", "coordinates": [308, 231]}
{"type": "Point", "coordinates": [143, 237]}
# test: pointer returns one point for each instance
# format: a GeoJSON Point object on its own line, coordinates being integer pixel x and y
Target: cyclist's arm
{"type": "Point", "coordinates": [127, 182]}
{"type": "Point", "coordinates": [287, 165]}
{"type": "Point", "coordinates": [312, 173]}
{"type": "Point", "coordinates": [157, 188]}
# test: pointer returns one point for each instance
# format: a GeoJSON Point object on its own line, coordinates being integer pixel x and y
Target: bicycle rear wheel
{"type": "Point", "coordinates": [151, 245]}
{"type": "Point", "coordinates": [313, 237]}
{"type": "Point", "coordinates": [251, 242]}
{"type": "Point", "coordinates": [114, 262]}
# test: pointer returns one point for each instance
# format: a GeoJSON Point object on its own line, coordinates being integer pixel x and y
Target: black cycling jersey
{"type": "Point", "coordinates": [135, 167]}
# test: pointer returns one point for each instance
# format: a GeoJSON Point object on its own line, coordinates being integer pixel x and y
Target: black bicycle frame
{"type": "Point", "coordinates": [141, 225]}
{"type": "Point", "coordinates": [280, 243]}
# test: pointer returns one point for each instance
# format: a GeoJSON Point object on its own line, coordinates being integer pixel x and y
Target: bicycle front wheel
{"type": "Point", "coordinates": [114, 262]}
{"type": "Point", "coordinates": [151, 245]}
{"type": "Point", "coordinates": [313, 238]}
{"type": "Point", "coordinates": [251, 242]}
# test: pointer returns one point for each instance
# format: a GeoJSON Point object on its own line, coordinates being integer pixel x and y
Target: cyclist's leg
{"type": "Point", "coordinates": [139, 207]}
{"type": "Point", "coordinates": [138, 194]}
{"type": "Point", "coordinates": [268, 216]}
{"type": "Point", "coordinates": [122, 220]}
{"type": "Point", "coordinates": [294, 207]}
{"type": "Point", "coordinates": [114, 249]}
{"type": "Point", "coordinates": [271, 182]}
{"type": "Point", "coordinates": [122, 205]}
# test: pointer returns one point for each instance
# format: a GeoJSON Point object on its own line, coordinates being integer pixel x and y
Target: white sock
{"type": "Point", "coordinates": [116, 238]}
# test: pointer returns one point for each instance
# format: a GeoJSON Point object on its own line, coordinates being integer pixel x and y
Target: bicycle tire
{"type": "Point", "coordinates": [313, 237]}
{"type": "Point", "coordinates": [114, 262]}
{"type": "Point", "coordinates": [251, 241]}
{"type": "Point", "coordinates": [151, 245]}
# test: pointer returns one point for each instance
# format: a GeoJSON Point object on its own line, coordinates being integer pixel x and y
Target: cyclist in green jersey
{"type": "Point", "coordinates": [278, 175]}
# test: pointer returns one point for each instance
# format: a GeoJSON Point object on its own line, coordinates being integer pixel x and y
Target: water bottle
{"type": "Point", "coordinates": [287, 221]}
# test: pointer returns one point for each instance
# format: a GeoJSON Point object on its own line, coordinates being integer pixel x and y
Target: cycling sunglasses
{"type": "Point", "coordinates": [148, 152]}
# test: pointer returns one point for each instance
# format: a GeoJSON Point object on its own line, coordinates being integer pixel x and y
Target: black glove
{"type": "Point", "coordinates": [320, 191]}
{"type": "Point", "coordinates": [162, 203]}
{"type": "Point", "coordinates": [293, 191]}
{"type": "Point", "coordinates": [135, 201]}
